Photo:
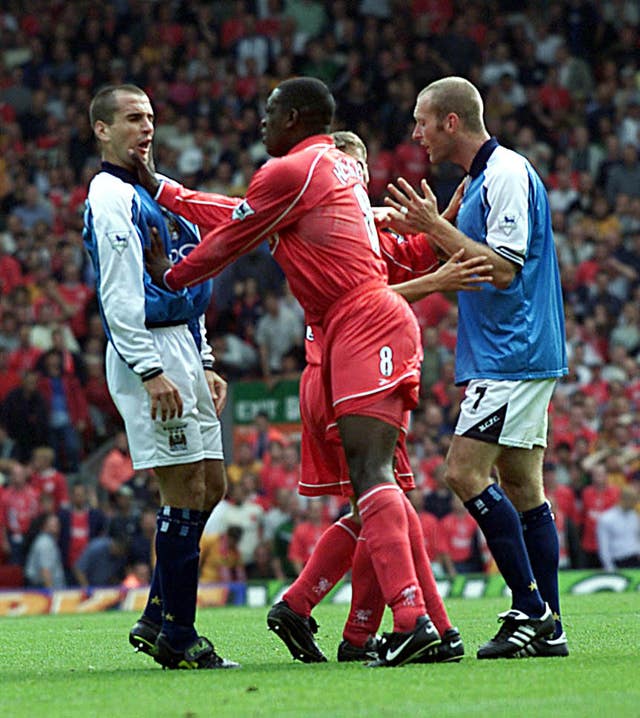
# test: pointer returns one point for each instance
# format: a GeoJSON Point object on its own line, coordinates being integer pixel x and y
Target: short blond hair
{"type": "Point", "coordinates": [346, 141]}
{"type": "Point", "coordinates": [459, 96]}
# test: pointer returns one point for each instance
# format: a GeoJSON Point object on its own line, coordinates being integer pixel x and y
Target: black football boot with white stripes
{"type": "Point", "coordinates": [517, 632]}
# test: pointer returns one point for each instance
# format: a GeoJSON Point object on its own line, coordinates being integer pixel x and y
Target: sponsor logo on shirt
{"type": "Point", "coordinates": [119, 240]}
{"type": "Point", "coordinates": [242, 211]}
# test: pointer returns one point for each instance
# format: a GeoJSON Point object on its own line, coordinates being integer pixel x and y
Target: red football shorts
{"type": "Point", "coordinates": [323, 467]}
{"type": "Point", "coordinates": [372, 354]}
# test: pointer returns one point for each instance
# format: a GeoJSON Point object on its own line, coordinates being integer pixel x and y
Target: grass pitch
{"type": "Point", "coordinates": [82, 665]}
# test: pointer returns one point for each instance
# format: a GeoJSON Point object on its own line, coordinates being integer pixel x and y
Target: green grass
{"type": "Point", "coordinates": [82, 666]}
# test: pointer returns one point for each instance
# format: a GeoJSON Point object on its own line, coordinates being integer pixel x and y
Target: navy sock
{"type": "Point", "coordinates": [543, 547]}
{"type": "Point", "coordinates": [177, 559]}
{"type": "Point", "coordinates": [153, 609]}
{"type": "Point", "coordinates": [500, 524]}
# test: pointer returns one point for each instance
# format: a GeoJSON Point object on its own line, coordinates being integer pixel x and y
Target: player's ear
{"type": "Point", "coordinates": [451, 122]}
{"type": "Point", "coordinates": [101, 130]}
{"type": "Point", "coordinates": [293, 117]}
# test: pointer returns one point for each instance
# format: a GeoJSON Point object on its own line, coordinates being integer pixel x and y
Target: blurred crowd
{"type": "Point", "coordinates": [561, 83]}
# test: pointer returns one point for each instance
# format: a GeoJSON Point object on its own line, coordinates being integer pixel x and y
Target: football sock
{"type": "Point", "coordinates": [384, 526]}
{"type": "Point", "coordinates": [177, 559]}
{"type": "Point", "coordinates": [543, 547]}
{"type": "Point", "coordinates": [330, 560]}
{"type": "Point", "coordinates": [500, 524]}
{"type": "Point", "coordinates": [435, 607]}
{"type": "Point", "coordinates": [153, 609]}
{"type": "Point", "coordinates": [367, 601]}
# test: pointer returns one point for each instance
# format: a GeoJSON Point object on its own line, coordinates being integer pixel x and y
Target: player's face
{"type": "Point", "coordinates": [430, 132]}
{"type": "Point", "coordinates": [132, 128]}
{"type": "Point", "coordinates": [275, 125]}
{"type": "Point", "coordinates": [359, 154]}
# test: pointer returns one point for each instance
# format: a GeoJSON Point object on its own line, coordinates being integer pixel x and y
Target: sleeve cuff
{"type": "Point", "coordinates": [151, 374]}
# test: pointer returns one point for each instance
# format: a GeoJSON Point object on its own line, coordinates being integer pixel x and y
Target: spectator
{"type": "Point", "coordinates": [220, 557]}
{"type": "Point", "coordinates": [43, 567]}
{"type": "Point", "coordinates": [282, 539]}
{"type": "Point", "coordinates": [9, 378]}
{"type": "Point", "coordinates": [439, 501]}
{"type": "Point", "coordinates": [262, 566]}
{"type": "Point", "coordinates": [68, 412]}
{"type": "Point", "coordinates": [624, 178]}
{"type": "Point", "coordinates": [124, 522]}
{"type": "Point", "coordinates": [596, 499]}
{"type": "Point", "coordinates": [247, 515]}
{"type": "Point", "coordinates": [25, 414]}
{"type": "Point", "coordinates": [141, 547]}
{"type": "Point", "coordinates": [284, 474]}
{"type": "Point", "coordinates": [277, 332]}
{"type": "Point", "coordinates": [459, 541]}
{"type": "Point", "coordinates": [244, 462]}
{"type": "Point", "coordinates": [618, 532]}
{"type": "Point", "coordinates": [34, 209]}
{"type": "Point", "coordinates": [25, 356]}
{"type": "Point", "coordinates": [20, 507]}
{"type": "Point", "coordinates": [102, 563]}
{"type": "Point", "coordinates": [116, 468]}
{"type": "Point", "coordinates": [79, 524]}
{"type": "Point", "coordinates": [306, 535]}
{"type": "Point", "coordinates": [278, 513]}
{"type": "Point", "coordinates": [46, 479]}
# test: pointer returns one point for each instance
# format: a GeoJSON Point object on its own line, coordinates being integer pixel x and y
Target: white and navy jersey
{"type": "Point", "coordinates": [119, 216]}
{"type": "Point", "coordinates": [518, 332]}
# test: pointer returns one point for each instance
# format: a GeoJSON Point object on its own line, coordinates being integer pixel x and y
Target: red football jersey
{"type": "Point", "coordinates": [313, 207]}
{"type": "Point", "coordinates": [406, 258]}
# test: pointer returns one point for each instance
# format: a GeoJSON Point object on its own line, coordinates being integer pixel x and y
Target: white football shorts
{"type": "Point", "coordinates": [196, 435]}
{"type": "Point", "coordinates": [509, 413]}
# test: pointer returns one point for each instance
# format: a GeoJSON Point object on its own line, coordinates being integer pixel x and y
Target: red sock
{"type": "Point", "coordinates": [367, 602]}
{"type": "Point", "coordinates": [384, 526]}
{"type": "Point", "coordinates": [330, 560]}
{"type": "Point", "coordinates": [424, 572]}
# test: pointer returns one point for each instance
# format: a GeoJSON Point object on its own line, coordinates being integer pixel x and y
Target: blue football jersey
{"type": "Point", "coordinates": [518, 332]}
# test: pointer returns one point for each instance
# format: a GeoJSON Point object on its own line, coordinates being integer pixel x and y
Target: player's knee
{"type": "Point", "coordinates": [215, 484]}
{"type": "Point", "coordinates": [465, 483]}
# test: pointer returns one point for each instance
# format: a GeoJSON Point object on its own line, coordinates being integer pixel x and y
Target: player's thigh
{"type": "Point", "coordinates": [520, 472]}
{"type": "Point", "coordinates": [215, 482]}
{"type": "Point", "coordinates": [369, 446]}
{"type": "Point", "coordinates": [469, 465]}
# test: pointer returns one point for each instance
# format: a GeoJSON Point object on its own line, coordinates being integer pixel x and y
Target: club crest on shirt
{"type": "Point", "coordinates": [119, 240]}
{"type": "Point", "coordinates": [242, 211]}
{"type": "Point", "coordinates": [507, 223]}
{"type": "Point", "coordinates": [177, 438]}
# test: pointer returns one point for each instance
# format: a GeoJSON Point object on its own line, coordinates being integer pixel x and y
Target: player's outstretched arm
{"type": "Point", "coordinates": [206, 209]}
{"type": "Point", "coordinates": [453, 276]}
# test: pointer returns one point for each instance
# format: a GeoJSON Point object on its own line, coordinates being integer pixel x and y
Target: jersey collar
{"type": "Point", "coordinates": [482, 156]}
{"type": "Point", "coordinates": [119, 172]}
